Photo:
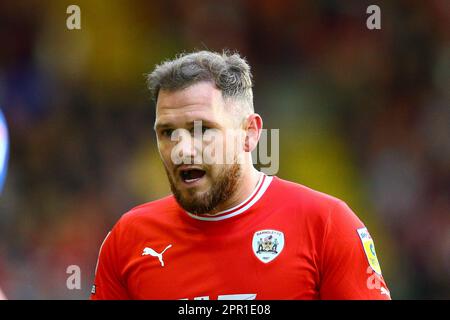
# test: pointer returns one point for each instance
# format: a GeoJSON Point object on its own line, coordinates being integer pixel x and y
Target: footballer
{"type": "Point", "coordinates": [229, 231]}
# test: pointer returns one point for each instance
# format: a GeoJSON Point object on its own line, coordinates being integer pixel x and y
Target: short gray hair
{"type": "Point", "coordinates": [228, 71]}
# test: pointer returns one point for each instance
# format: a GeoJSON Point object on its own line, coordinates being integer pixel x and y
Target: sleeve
{"type": "Point", "coordinates": [349, 265]}
{"type": "Point", "coordinates": [107, 283]}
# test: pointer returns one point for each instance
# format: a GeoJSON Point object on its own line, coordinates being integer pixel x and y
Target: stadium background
{"type": "Point", "coordinates": [363, 115]}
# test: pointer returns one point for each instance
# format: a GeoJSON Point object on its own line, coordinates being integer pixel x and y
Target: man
{"type": "Point", "coordinates": [202, 242]}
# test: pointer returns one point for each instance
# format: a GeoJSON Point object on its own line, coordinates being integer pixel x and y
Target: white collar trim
{"type": "Point", "coordinates": [257, 193]}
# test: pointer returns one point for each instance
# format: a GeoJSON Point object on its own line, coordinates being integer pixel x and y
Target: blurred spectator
{"type": "Point", "coordinates": [363, 115]}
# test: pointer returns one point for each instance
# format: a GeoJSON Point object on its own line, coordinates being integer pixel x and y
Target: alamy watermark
{"type": "Point", "coordinates": [210, 146]}
{"type": "Point", "coordinates": [73, 21]}
{"type": "Point", "coordinates": [373, 22]}
{"type": "Point", "coordinates": [73, 281]}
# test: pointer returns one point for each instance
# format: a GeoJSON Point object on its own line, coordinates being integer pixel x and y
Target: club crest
{"type": "Point", "coordinates": [267, 244]}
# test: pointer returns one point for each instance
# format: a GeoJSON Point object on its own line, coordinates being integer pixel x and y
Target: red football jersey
{"type": "Point", "coordinates": [285, 241]}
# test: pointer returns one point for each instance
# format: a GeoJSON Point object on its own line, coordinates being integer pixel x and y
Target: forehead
{"type": "Point", "coordinates": [199, 101]}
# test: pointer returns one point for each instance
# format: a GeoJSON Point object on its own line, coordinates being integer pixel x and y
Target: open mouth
{"type": "Point", "coordinates": [192, 175]}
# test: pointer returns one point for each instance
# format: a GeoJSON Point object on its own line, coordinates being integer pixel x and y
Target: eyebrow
{"type": "Point", "coordinates": [163, 125]}
{"type": "Point", "coordinates": [159, 125]}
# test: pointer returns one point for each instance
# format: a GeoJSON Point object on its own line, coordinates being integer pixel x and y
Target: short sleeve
{"type": "Point", "coordinates": [107, 283]}
{"type": "Point", "coordinates": [349, 266]}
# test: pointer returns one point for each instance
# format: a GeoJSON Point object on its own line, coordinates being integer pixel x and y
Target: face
{"type": "Point", "coordinates": [200, 184]}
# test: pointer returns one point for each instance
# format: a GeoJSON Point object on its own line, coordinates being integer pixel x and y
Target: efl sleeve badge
{"type": "Point", "coordinates": [369, 249]}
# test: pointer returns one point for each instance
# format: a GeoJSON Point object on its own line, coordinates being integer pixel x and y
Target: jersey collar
{"type": "Point", "coordinates": [258, 192]}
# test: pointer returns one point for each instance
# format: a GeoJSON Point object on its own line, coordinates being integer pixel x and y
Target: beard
{"type": "Point", "coordinates": [223, 187]}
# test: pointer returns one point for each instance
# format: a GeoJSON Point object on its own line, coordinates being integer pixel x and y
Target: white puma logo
{"type": "Point", "coordinates": [149, 251]}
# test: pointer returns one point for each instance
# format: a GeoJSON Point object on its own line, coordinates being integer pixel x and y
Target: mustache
{"type": "Point", "coordinates": [222, 188]}
{"type": "Point", "coordinates": [190, 167]}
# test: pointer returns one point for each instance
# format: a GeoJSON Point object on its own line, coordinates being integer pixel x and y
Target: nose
{"type": "Point", "coordinates": [188, 148]}
{"type": "Point", "coordinates": [187, 145]}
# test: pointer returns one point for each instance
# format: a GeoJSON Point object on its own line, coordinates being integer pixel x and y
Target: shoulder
{"type": "Point", "coordinates": [303, 197]}
{"type": "Point", "coordinates": [312, 206]}
{"type": "Point", "coordinates": [135, 226]}
{"type": "Point", "coordinates": [147, 214]}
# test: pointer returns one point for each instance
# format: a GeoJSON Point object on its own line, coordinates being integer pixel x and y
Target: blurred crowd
{"type": "Point", "coordinates": [363, 115]}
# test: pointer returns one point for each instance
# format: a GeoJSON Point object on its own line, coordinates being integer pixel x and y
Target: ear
{"type": "Point", "coordinates": [252, 127]}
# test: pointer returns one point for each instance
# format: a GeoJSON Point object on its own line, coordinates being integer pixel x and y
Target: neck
{"type": "Point", "coordinates": [246, 185]}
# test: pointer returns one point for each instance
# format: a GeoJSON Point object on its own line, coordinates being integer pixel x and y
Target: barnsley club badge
{"type": "Point", "coordinates": [267, 244]}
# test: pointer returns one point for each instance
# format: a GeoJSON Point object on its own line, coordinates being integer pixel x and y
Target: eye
{"type": "Point", "coordinates": [167, 132]}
